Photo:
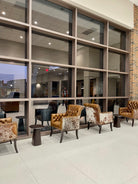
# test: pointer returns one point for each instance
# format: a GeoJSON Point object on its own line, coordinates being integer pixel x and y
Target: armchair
{"type": "Point", "coordinates": [67, 121]}
{"type": "Point", "coordinates": [8, 131]}
{"type": "Point", "coordinates": [94, 115]}
{"type": "Point", "coordinates": [131, 111]}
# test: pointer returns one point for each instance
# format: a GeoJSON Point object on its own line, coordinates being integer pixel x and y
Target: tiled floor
{"type": "Point", "coordinates": [108, 158]}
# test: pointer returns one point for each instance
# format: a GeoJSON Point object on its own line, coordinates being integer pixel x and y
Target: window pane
{"type": "Point", "coordinates": [89, 83]}
{"type": "Point", "coordinates": [16, 110]}
{"type": "Point", "coordinates": [116, 62]}
{"type": "Point", "coordinates": [50, 49]}
{"type": "Point", "coordinates": [51, 81]}
{"type": "Point", "coordinates": [90, 29]}
{"type": "Point", "coordinates": [115, 104]}
{"type": "Point", "coordinates": [116, 85]}
{"type": "Point", "coordinates": [89, 56]}
{"type": "Point", "coordinates": [12, 9]}
{"type": "Point", "coordinates": [51, 16]}
{"type": "Point", "coordinates": [12, 42]}
{"type": "Point", "coordinates": [54, 106]}
{"type": "Point", "coordinates": [117, 38]}
{"type": "Point", "coordinates": [13, 80]}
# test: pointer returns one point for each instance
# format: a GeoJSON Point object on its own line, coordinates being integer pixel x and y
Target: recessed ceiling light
{"type": "Point", "coordinates": [35, 22]}
{"type": "Point", "coordinates": [67, 32]}
{"type": "Point", "coordinates": [3, 13]}
{"type": "Point", "coordinates": [21, 37]}
{"type": "Point", "coordinates": [49, 43]}
{"type": "Point", "coordinates": [93, 39]}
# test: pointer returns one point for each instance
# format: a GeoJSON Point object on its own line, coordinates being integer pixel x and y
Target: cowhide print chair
{"type": "Point", "coordinates": [130, 112]}
{"type": "Point", "coordinates": [8, 131]}
{"type": "Point", "coordinates": [67, 121]}
{"type": "Point", "coordinates": [94, 115]}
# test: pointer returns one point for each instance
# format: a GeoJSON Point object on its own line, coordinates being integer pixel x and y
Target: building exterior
{"type": "Point", "coordinates": [67, 52]}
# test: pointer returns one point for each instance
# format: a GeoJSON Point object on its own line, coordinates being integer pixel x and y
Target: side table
{"type": "Point", "coordinates": [117, 120]}
{"type": "Point", "coordinates": [36, 137]}
{"type": "Point", "coordinates": [20, 123]}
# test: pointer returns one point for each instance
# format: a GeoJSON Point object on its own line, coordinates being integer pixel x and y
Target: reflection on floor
{"type": "Point", "coordinates": [108, 158]}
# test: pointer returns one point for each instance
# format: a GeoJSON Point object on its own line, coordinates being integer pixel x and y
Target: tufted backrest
{"type": "Point", "coordinates": [132, 105]}
{"type": "Point", "coordinates": [5, 120]}
{"type": "Point", "coordinates": [74, 110]}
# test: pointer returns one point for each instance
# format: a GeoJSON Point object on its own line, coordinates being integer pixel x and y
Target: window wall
{"type": "Point", "coordinates": [52, 53]}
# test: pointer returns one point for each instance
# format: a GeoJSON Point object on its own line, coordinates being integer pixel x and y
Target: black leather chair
{"type": "Point", "coordinates": [43, 115]}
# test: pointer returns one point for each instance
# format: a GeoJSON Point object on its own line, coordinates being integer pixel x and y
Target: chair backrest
{"type": "Point", "coordinates": [46, 114]}
{"type": "Point", "coordinates": [5, 120]}
{"type": "Point", "coordinates": [74, 110]}
{"type": "Point", "coordinates": [92, 112]}
{"type": "Point", "coordinates": [132, 105]}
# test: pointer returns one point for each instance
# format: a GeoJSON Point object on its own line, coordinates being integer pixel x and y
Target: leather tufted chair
{"type": "Point", "coordinates": [8, 131]}
{"type": "Point", "coordinates": [130, 112]}
{"type": "Point", "coordinates": [67, 121]}
{"type": "Point", "coordinates": [94, 115]}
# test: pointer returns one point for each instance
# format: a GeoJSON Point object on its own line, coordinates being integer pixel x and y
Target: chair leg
{"type": "Point", "coordinates": [51, 131]}
{"type": "Point", "coordinates": [47, 123]}
{"type": "Point", "coordinates": [11, 141]}
{"type": "Point", "coordinates": [62, 133]}
{"type": "Point", "coordinates": [132, 122]}
{"type": "Point", "coordinates": [77, 134]}
{"type": "Point", "coordinates": [66, 132]}
{"type": "Point", "coordinates": [100, 128]}
{"type": "Point", "coordinates": [127, 119]}
{"type": "Point", "coordinates": [88, 125]}
{"type": "Point", "coordinates": [85, 120]}
{"type": "Point", "coordinates": [35, 121]}
{"type": "Point", "coordinates": [111, 126]}
{"type": "Point", "coordinates": [42, 123]}
{"type": "Point", "coordinates": [15, 146]}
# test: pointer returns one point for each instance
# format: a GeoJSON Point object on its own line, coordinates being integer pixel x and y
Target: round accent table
{"type": "Point", "coordinates": [117, 120]}
{"type": "Point", "coordinates": [36, 137]}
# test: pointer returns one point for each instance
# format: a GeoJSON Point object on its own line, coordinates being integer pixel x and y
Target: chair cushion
{"type": "Point", "coordinates": [126, 114]}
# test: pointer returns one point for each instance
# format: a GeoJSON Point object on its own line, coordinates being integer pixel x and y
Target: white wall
{"type": "Point", "coordinates": [118, 11]}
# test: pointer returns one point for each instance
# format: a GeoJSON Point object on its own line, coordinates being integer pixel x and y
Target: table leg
{"type": "Point", "coordinates": [20, 125]}
{"type": "Point", "coordinates": [36, 138]}
{"type": "Point", "coordinates": [117, 122]}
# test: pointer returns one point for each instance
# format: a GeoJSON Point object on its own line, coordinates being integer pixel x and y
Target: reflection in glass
{"type": "Point", "coordinates": [90, 29]}
{"type": "Point", "coordinates": [52, 106]}
{"type": "Point", "coordinates": [13, 80]}
{"type": "Point", "coordinates": [89, 56]}
{"type": "Point", "coordinates": [16, 110]}
{"type": "Point", "coordinates": [12, 42]}
{"type": "Point", "coordinates": [116, 62]}
{"type": "Point", "coordinates": [50, 49]}
{"type": "Point", "coordinates": [115, 104]}
{"type": "Point", "coordinates": [51, 81]}
{"type": "Point", "coordinates": [117, 38]}
{"type": "Point", "coordinates": [116, 85]}
{"type": "Point", "coordinates": [51, 16]}
{"type": "Point", "coordinates": [12, 9]}
{"type": "Point", "coordinates": [89, 83]}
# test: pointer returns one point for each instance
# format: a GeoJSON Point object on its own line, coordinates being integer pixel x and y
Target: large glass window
{"type": "Point", "coordinates": [89, 56]}
{"type": "Point", "coordinates": [51, 81]}
{"type": "Point", "coordinates": [90, 29]}
{"type": "Point", "coordinates": [12, 9]}
{"type": "Point", "coordinates": [50, 49]}
{"type": "Point", "coordinates": [51, 16]}
{"type": "Point", "coordinates": [12, 41]}
{"type": "Point", "coordinates": [89, 83]}
{"type": "Point", "coordinates": [116, 84]}
{"type": "Point", "coordinates": [115, 104]}
{"type": "Point", "coordinates": [117, 38]}
{"type": "Point", "coordinates": [13, 80]}
{"type": "Point", "coordinates": [116, 62]}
